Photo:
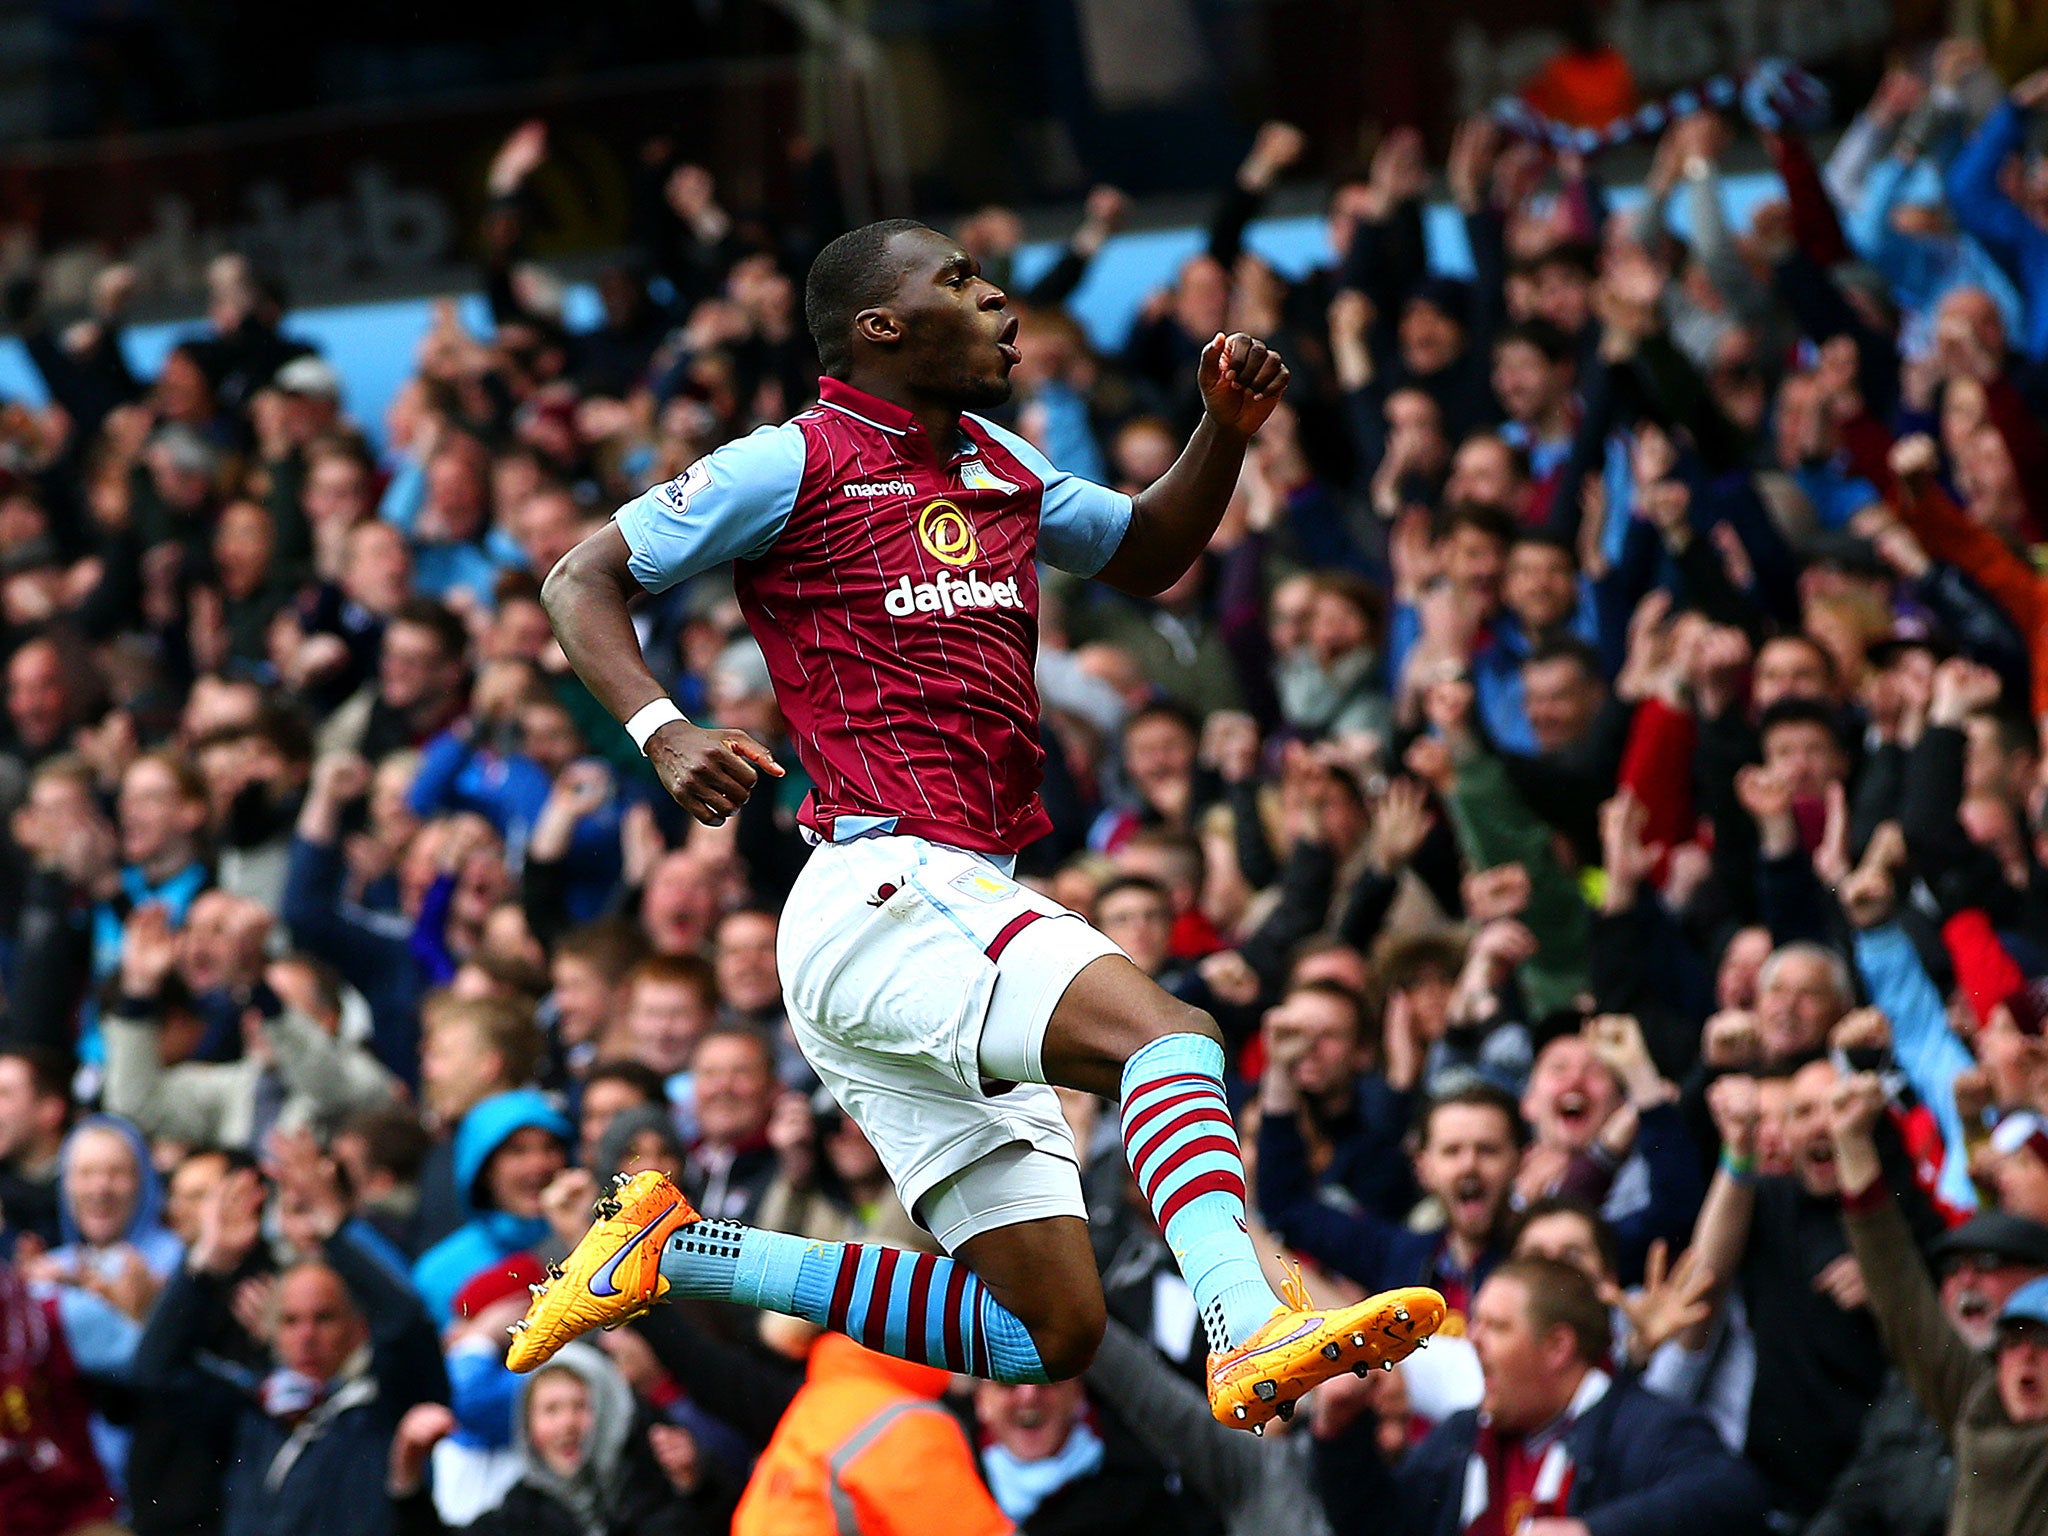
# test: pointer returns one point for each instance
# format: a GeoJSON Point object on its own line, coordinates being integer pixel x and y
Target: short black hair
{"type": "Point", "coordinates": [1580, 257]}
{"type": "Point", "coordinates": [1165, 709]}
{"type": "Point", "coordinates": [49, 1071]}
{"type": "Point", "coordinates": [1546, 338]}
{"type": "Point", "coordinates": [1363, 1027]}
{"type": "Point", "coordinates": [393, 1139]}
{"type": "Point", "coordinates": [849, 276]}
{"type": "Point", "coordinates": [1604, 1241]}
{"type": "Point", "coordinates": [1801, 637]}
{"type": "Point", "coordinates": [1800, 712]}
{"type": "Point", "coordinates": [637, 1075]}
{"type": "Point", "coordinates": [1567, 648]}
{"type": "Point", "coordinates": [441, 621]}
{"type": "Point", "coordinates": [1548, 538]}
{"type": "Point", "coordinates": [1472, 1092]}
{"type": "Point", "coordinates": [1143, 883]}
{"type": "Point", "coordinates": [1497, 523]}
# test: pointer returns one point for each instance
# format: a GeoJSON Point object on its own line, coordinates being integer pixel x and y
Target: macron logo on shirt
{"type": "Point", "coordinates": [949, 594]}
{"type": "Point", "coordinates": [873, 488]}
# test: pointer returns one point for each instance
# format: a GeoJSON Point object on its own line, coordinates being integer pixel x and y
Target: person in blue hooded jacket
{"type": "Point", "coordinates": [110, 1205]}
{"type": "Point", "coordinates": [116, 1247]}
{"type": "Point", "coordinates": [507, 1148]}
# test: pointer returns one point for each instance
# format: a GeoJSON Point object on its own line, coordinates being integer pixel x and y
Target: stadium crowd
{"type": "Point", "coordinates": [1595, 778]}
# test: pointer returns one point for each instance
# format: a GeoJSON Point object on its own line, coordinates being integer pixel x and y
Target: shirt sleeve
{"type": "Point", "coordinates": [729, 505]}
{"type": "Point", "coordinates": [1080, 523]}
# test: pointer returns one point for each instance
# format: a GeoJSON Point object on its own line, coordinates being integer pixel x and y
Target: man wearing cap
{"type": "Point", "coordinates": [1991, 1409]}
{"type": "Point", "coordinates": [1903, 1478]}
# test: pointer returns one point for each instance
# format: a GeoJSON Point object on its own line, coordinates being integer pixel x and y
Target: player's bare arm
{"type": "Point", "coordinates": [710, 773]}
{"type": "Point", "coordinates": [1241, 379]}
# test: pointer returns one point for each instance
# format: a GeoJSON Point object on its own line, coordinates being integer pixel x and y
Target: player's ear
{"type": "Point", "coordinates": [878, 327]}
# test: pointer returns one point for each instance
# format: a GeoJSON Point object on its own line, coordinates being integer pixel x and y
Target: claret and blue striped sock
{"type": "Point", "coordinates": [1182, 1145]}
{"type": "Point", "coordinates": [915, 1306]}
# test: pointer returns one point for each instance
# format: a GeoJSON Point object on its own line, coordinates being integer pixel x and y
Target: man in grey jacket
{"type": "Point", "coordinates": [296, 1069]}
{"type": "Point", "coordinates": [1256, 1485]}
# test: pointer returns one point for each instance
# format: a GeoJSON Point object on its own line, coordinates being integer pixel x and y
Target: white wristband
{"type": "Point", "coordinates": [649, 718]}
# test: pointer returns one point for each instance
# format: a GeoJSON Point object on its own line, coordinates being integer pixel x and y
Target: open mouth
{"type": "Point", "coordinates": [1574, 1108]}
{"type": "Point", "coordinates": [1469, 1198]}
{"type": "Point", "coordinates": [1973, 1307]}
{"type": "Point", "coordinates": [1007, 343]}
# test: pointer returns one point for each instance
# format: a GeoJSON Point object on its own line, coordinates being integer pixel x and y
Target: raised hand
{"type": "Point", "coordinates": [675, 1452]}
{"type": "Point", "coordinates": [1400, 822]}
{"type": "Point", "coordinates": [1102, 216]}
{"type": "Point", "coordinates": [793, 1137]}
{"type": "Point", "coordinates": [149, 950]}
{"type": "Point", "coordinates": [1856, 1105]}
{"type": "Point", "coordinates": [1861, 1029]}
{"type": "Point", "coordinates": [1230, 976]}
{"type": "Point", "coordinates": [1399, 173]}
{"type": "Point", "coordinates": [1868, 894]}
{"type": "Point", "coordinates": [1842, 1283]}
{"type": "Point", "coordinates": [2031, 92]}
{"type": "Point", "coordinates": [1502, 891]}
{"type": "Point", "coordinates": [1499, 947]}
{"type": "Point", "coordinates": [252, 1305]}
{"type": "Point", "coordinates": [1831, 858]}
{"type": "Point", "coordinates": [1626, 858]}
{"type": "Point", "coordinates": [519, 157]}
{"type": "Point", "coordinates": [424, 1426]}
{"type": "Point", "coordinates": [1714, 666]}
{"type": "Point", "coordinates": [1735, 1105]}
{"type": "Point", "coordinates": [566, 1204]}
{"type": "Point", "coordinates": [1241, 380]}
{"type": "Point", "coordinates": [1670, 1301]}
{"type": "Point", "coordinates": [309, 1187]}
{"type": "Point", "coordinates": [230, 1224]}
{"type": "Point", "coordinates": [1275, 147]}
{"type": "Point", "coordinates": [1765, 794]}
{"type": "Point", "coordinates": [1731, 1039]}
{"type": "Point", "coordinates": [1914, 457]}
{"type": "Point", "coordinates": [1230, 745]}
{"type": "Point", "coordinates": [1617, 1039]}
{"type": "Point", "coordinates": [1961, 688]}
{"type": "Point", "coordinates": [1651, 660]}
{"type": "Point", "coordinates": [1473, 149]}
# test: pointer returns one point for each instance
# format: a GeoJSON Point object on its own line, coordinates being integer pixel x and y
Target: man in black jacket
{"type": "Point", "coordinates": [1557, 1447]}
{"type": "Point", "coordinates": [352, 1351]}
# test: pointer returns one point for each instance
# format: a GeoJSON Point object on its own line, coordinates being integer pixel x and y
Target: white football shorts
{"type": "Point", "coordinates": [897, 955]}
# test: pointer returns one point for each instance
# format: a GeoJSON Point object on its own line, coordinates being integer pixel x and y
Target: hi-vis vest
{"type": "Point", "coordinates": [865, 1450]}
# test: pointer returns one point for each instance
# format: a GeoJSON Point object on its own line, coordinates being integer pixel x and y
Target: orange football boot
{"type": "Point", "coordinates": [1301, 1345]}
{"type": "Point", "coordinates": [614, 1274]}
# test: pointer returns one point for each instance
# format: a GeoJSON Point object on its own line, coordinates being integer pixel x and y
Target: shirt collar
{"type": "Point", "coordinates": [1590, 1391]}
{"type": "Point", "coordinates": [887, 416]}
{"type": "Point", "coordinates": [862, 406]}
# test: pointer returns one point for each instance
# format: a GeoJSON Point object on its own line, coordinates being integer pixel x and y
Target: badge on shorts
{"type": "Point", "coordinates": [982, 885]}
